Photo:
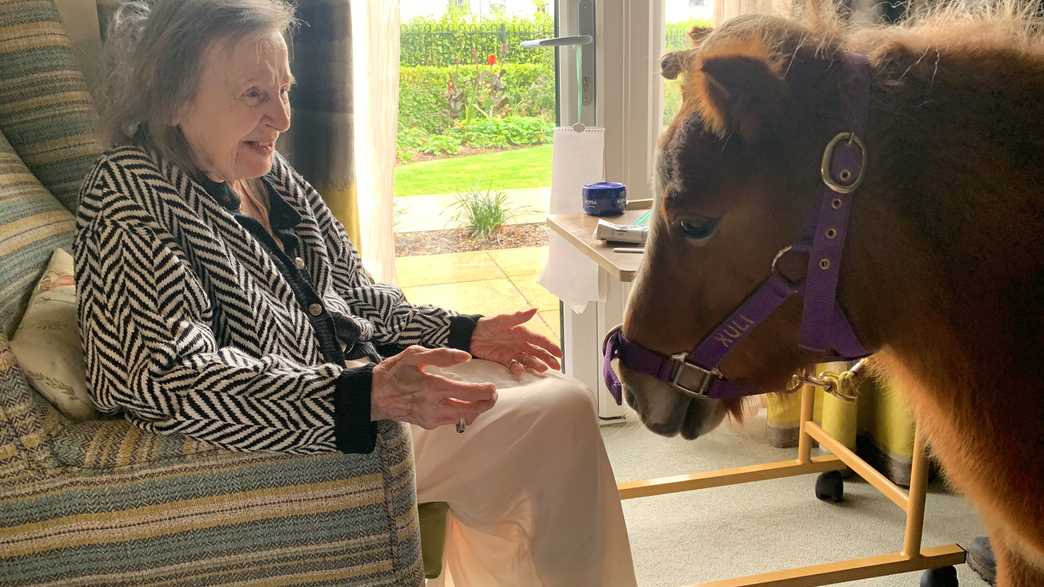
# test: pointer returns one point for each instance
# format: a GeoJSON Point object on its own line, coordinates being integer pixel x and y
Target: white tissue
{"type": "Point", "coordinates": [577, 159]}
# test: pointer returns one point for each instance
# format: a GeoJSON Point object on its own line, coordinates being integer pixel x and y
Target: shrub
{"type": "Point", "coordinates": [483, 213]}
{"type": "Point", "coordinates": [434, 98]}
{"type": "Point", "coordinates": [440, 145]}
{"type": "Point", "coordinates": [481, 133]}
{"type": "Point", "coordinates": [505, 132]}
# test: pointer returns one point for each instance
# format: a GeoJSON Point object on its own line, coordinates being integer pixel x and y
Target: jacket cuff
{"type": "Point", "coordinates": [461, 329]}
{"type": "Point", "coordinates": [353, 430]}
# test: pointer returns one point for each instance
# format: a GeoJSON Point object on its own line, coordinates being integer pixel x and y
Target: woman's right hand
{"type": "Point", "coordinates": [403, 391]}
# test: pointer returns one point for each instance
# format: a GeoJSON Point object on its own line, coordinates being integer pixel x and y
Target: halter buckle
{"type": "Point", "coordinates": [850, 184]}
{"type": "Point", "coordinates": [707, 377]}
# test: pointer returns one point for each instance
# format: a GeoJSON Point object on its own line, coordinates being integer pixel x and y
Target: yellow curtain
{"type": "Point", "coordinates": [878, 426]}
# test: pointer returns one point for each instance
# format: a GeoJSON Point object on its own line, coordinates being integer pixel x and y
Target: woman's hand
{"type": "Point", "coordinates": [403, 391]}
{"type": "Point", "coordinates": [503, 339]}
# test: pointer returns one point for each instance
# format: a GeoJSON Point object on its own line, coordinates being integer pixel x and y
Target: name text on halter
{"type": "Point", "coordinates": [734, 330]}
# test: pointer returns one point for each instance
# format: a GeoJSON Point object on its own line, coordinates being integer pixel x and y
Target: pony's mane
{"type": "Point", "coordinates": [948, 24]}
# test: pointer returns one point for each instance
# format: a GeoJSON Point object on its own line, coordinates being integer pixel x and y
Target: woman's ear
{"type": "Point", "coordinates": [742, 94]}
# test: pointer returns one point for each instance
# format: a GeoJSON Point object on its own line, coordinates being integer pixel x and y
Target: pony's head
{"type": "Point", "coordinates": [738, 172]}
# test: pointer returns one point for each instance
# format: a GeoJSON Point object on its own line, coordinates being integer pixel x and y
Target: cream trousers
{"type": "Point", "coordinates": [531, 493]}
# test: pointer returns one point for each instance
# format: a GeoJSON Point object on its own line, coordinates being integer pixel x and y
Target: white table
{"type": "Point", "coordinates": [582, 334]}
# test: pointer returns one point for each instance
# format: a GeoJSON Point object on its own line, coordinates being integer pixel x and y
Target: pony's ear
{"type": "Point", "coordinates": [743, 94]}
{"type": "Point", "coordinates": [697, 34]}
{"type": "Point", "coordinates": [674, 63]}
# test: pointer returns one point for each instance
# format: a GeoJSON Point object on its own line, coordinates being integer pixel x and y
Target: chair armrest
{"type": "Point", "coordinates": [116, 443]}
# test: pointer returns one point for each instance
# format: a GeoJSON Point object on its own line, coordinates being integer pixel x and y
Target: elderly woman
{"type": "Point", "coordinates": [220, 299]}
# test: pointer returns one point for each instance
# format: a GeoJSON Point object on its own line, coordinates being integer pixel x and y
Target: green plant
{"type": "Point", "coordinates": [435, 98]}
{"type": "Point", "coordinates": [482, 213]}
{"type": "Point", "coordinates": [440, 145]}
{"type": "Point", "coordinates": [505, 132]}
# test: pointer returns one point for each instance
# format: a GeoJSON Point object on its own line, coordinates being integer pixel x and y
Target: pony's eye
{"type": "Point", "coordinates": [698, 228]}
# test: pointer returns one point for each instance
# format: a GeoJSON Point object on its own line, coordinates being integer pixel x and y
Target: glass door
{"type": "Point", "coordinates": [680, 17]}
{"type": "Point", "coordinates": [473, 170]}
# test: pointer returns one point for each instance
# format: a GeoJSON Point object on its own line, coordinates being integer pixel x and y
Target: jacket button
{"type": "Point", "coordinates": [299, 263]}
{"type": "Point", "coordinates": [315, 309]}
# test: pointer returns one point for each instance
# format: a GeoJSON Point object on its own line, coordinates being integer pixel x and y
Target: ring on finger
{"type": "Point", "coordinates": [514, 363]}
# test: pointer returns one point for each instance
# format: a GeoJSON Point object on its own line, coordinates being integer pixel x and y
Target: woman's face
{"type": "Point", "coordinates": [240, 108]}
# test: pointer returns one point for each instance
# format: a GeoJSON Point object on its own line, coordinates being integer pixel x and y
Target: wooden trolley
{"type": "Point", "coordinates": [912, 557]}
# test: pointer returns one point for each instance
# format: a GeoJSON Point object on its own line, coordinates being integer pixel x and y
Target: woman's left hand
{"type": "Point", "coordinates": [503, 339]}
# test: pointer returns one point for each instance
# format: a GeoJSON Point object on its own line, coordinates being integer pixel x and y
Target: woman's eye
{"type": "Point", "coordinates": [253, 94]}
{"type": "Point", "coordinates": [698, 228]}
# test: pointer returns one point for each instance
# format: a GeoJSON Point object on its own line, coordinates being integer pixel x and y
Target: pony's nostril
{"type": "Point", "coordinates": [632, 399]}
{"type": "Point", "coordinates": [662, 428]}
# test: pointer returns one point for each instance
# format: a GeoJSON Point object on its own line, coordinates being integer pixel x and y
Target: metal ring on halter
{"type": "Point", "coordinates": [779, 256]}
{"type": "Point", "coordinates": [828, 157]}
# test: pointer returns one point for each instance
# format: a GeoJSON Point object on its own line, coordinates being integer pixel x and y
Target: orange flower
{"type": "Point", "coordinates": [491, 60]}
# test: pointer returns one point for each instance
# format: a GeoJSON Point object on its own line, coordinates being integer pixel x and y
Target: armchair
{"type": "Point", "coordinates": [103, 502]}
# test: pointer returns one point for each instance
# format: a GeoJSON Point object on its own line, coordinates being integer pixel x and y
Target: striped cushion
{"type": "Point", "coordinates": [46, 110]}
{"type": "Point", "coordinates": [32, 224]}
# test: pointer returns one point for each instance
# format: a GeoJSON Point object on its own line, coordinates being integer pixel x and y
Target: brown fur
{"type": "Point", "coordinates": [943, 273]}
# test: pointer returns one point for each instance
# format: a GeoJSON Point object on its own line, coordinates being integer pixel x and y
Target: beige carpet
{"type": "Point", "coordinates": [685, 538]}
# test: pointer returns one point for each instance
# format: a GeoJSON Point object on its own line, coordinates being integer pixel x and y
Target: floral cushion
{"type": "Point", "coordinates": [47, 342]}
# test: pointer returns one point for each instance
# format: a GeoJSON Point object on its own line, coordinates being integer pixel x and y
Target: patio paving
{"type": "Point", "coordinates": [482, 282]}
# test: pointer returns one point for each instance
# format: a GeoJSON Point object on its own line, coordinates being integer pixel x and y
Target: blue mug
{"type": "Point", "coordinates": [607, 198]}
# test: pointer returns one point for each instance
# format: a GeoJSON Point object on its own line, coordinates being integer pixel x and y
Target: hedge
{"type": "Point", "coordinates": [434, 98]}
{"type": "Point", "coordinates": [445, 42]}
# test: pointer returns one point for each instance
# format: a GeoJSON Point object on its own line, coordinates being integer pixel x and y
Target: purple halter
{"type": "Point", "coordinates": [824, 326]}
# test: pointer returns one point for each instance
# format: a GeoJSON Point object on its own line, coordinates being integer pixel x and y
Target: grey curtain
{"type": "Point", "coordinates": [319, 143]}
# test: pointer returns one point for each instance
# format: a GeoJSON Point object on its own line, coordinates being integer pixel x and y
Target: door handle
{"type": "Point", "coordinates": [559, 41]}
{"type": "Point", "coordinates": [584, 41]}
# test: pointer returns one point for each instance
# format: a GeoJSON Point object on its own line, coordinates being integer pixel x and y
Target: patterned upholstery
{"type": "Point", "coordinates": [46, 111]}
{"type": "Point", "coordinates": [32, 225]}
{"type": "Point", "coordinates": [102, 502]}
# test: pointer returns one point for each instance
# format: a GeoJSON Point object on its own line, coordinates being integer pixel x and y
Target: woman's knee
{"type": "Point", "coordinates": [570, 400]}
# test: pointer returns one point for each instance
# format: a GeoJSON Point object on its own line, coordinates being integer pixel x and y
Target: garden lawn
{"type": "Point", "coordinates": [518, 168]}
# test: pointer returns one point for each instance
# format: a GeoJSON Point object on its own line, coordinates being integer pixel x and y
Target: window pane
{"type": "Point", "coordinates": [476, 115]}
{"type": "Point", "coordinates": [680, 16]}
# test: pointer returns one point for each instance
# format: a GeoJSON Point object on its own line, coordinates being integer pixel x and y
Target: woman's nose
{"type": "Point", "coordinates": [279, 115]}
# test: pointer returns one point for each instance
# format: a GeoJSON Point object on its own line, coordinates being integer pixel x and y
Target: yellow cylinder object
{"type": "Point", "coordinates": [886, 426]}
{"type": "Point", "coordinates": [783, 410]}
{"type": "Point", "coordinates": [839, 418]}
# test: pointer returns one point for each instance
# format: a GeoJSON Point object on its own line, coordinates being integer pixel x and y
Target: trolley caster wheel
{"type": "Point", "coordinates": [941, 577]}
{"type": "Point", "coordinates": [830, 486]}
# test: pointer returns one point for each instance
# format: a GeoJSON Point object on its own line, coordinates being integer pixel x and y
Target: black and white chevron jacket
{"type": "Point", "coordinates": [189, 327]}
